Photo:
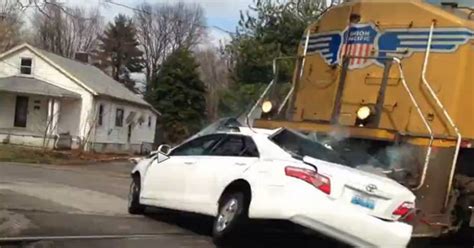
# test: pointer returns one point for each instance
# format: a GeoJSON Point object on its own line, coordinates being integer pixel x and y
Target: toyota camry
{"type": "Point", "coordinates": [242, 173]}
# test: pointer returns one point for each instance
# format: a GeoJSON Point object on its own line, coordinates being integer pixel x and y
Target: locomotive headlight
{"type": "Point", "coordinates": [364, 112]}
{"type": "Point", "coordinates": [267, 106]}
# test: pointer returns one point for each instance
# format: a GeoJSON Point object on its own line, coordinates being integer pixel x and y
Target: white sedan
{"type": "Point", "coordinates": [281, 174]}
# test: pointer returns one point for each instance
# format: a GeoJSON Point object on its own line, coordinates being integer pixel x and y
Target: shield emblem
{"type": "Point", "coordinates": [358, 41]}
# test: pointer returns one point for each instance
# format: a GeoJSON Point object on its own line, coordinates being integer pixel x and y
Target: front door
{"type": "Point", "coordinates": [21, 111]}
{"type": "Point", "coordinates": [165, 181]}
{"type": "Point", "coordinates": [225, 162]}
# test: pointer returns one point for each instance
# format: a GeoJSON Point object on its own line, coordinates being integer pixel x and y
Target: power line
{"type": "Point", "coordinates": [221, 29]}
{"type": "Point", "coordinates": [127, 7]}
{"type": "Point", "coordinates": [148, 13]}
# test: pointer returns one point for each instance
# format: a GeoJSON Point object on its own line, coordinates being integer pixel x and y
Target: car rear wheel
{"type": "Point", "coordinates": [231, 217]}
{"type": "Point", "coordinates": [134, 206]}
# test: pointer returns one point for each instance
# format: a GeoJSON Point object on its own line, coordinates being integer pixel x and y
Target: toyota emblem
{"type": "Point", "coordinates": [371, 188]}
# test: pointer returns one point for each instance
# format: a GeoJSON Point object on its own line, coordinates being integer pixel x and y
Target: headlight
{"type": "Point", "coordinates": [364, 112]}
{"type": "Point", "coordinates": [267, 107]}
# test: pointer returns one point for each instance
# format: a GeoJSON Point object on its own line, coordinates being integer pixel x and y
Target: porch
{"type": "Point", "coordinates": [34, 113]}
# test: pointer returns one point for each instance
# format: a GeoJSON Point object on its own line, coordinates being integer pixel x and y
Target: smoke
{"type": "Point", "coordinates": [397, 161]}
{"type": "Point", "coordinates": [339, 134]}
{"type": "Point", "coordinates": [400, 162]}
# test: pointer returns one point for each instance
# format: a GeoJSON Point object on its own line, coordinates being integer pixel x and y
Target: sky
{"type": "Point", "coordinates": [224, 14]}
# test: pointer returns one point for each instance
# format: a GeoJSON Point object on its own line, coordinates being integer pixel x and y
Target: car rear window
{"type": "Point", "coordinates": [300, 145]}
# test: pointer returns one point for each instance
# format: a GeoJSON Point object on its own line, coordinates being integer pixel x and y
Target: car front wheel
{"type": "Point", "coordinates": [232, 215]}
{"type": "Point", "coordinates": [134, 206]}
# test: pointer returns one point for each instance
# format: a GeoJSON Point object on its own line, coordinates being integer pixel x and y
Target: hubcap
{"type": "Point", "coordinates": [226, 215]}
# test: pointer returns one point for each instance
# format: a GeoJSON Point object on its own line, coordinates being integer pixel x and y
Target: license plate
{"type": "Point", "coordinates": [363, 201]}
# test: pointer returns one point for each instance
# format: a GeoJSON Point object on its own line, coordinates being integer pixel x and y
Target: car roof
{"type": "Point", "coordinates": [250, 131]}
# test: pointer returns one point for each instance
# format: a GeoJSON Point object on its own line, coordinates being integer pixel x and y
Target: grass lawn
{"type": "Point", "coordinates": [20, 154]}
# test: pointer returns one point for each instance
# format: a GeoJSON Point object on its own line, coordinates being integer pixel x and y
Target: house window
{"type": "Point", "coordinates": [149, 121]}
{"type": "Point", "coordinates": [26, 64]}
{"type": "Point", "coordinates": [101, 114]}
{"type": "Point", "coordinates": [119, 118]}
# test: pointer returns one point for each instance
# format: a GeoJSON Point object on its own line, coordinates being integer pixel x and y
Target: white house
{"type": "Point", "coordinates": [49, 100]}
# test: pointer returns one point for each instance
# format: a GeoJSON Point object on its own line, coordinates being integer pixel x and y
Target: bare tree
{"type": "Point", "coordinates": [215, 73]}
{"type": "Point", "coordinates": [10, 24]}
{"type": "Point", "coordinates": [66, 33]}
{"type": "Point", "coordinates": [162, 28]}
{"type": "Point", "coordinates": [39, 5]}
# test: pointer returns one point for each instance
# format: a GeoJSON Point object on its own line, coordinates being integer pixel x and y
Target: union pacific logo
{"type": "Point", "coordinates": [363, 40]}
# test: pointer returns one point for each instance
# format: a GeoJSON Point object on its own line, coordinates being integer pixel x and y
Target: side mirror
{"type": "Point", "coordinates": [164, 149]}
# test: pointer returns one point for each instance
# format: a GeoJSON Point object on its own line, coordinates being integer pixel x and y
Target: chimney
{"type": "Point", "coordinates": [82, 57]}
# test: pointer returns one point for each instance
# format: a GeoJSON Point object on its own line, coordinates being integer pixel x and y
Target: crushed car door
{"type": "Point", "coordinates": [226, 162]}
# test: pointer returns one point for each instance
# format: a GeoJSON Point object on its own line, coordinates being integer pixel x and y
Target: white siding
{"type": "Point", "coordinates": [44, 71]}
{"type": "Point", "coordinates": [7, 110]}
{"type": "Point", "coordinates": [109, 133]}
{"type": "Point", "coordinates": [68, 117]}
{"type": "Point", "coordinates": [76, 116]}
{"type": "Point", "coordinates": [36, 119]}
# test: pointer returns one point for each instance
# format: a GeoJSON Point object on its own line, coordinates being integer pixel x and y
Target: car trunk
{"type": "Point", "coordinates": [363, 191]}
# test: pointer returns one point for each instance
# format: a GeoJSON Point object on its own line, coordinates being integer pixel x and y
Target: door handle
{"type": "Point", "coordinates": [189, 163]}
{"type": "Point", "coordinates": [240, 164]}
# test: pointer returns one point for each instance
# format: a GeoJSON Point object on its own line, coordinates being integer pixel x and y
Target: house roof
{"type": "Point", "coordinates": [94, 78]}
{"type": "Point", "coordinates": [34, 86]}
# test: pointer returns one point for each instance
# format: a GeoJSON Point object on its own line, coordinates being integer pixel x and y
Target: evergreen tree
{"type": "Point", "coordinates": [269, 29]}
{"type": "Point", "coordinates": [118, 52]}
{"type": "Point", "coordinates": [179, 95]}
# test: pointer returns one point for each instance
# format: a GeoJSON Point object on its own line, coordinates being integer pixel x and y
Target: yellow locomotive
{"type": "Point", "coordinates": [394, 78]}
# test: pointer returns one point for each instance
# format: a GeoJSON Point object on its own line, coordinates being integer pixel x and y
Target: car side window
{"type": "Point", "coordinates": [197, 146]}
{"type": "Point", "coordinates": [236, 146]}
{"type": "Point", "coordinates": [250, 148]}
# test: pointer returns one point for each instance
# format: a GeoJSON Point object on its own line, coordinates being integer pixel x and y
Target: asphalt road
{"type": "Point", "coordinates": [85, 206]}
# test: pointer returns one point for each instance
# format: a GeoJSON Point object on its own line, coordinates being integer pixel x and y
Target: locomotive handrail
{"type": "Point", "coordinates": [269, 86]}
{"type": "Point", "coordinates": [425, 122]}
{"type": "Point", "coordinates": [445, 112]}
{"type": "Point", "coordinates": [287, 97]}
{"type": "Point", "coordinates": [247, 119]}
{"type": "Point", "coordinates": [417, 106]}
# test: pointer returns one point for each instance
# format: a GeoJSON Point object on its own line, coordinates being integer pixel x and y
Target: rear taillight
{"type": "Point", "coordinates": [319, 181]}
{"type": "Point", "coordinates": [406, 211]}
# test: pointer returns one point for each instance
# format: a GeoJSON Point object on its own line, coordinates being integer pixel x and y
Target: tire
{"type": "Point", "coordinates": [232, 215]}
{"type": "Point", "coordinates": [134, 206]}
